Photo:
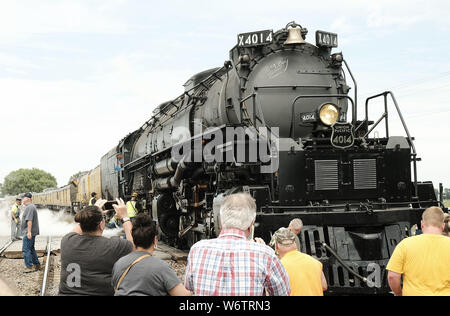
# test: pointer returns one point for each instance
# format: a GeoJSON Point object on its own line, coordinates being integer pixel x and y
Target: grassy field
{"type": "Point", "coordinates": [447, 203]}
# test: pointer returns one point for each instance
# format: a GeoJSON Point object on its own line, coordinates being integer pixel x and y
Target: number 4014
{"type": "Point", "coordinates": [343, 140]}
{"type": "Point", "coordinates": [256, 38]}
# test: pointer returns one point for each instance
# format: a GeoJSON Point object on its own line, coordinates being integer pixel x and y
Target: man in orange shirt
{"type": "Point", "coordinates": [422, 260]}
{"type": "Point", "coordinates": [306, 277]}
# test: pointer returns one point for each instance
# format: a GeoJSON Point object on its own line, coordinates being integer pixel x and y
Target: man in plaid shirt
{"type": "Point", "coordinates": [233, 265]}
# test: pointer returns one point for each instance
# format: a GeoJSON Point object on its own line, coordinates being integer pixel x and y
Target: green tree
{"type": "Point", "coordinates": [447, 194]}
{"type": "Point", "coordinates": [1, 191]}
{"type": "Point", "coordinates": [28, 180]}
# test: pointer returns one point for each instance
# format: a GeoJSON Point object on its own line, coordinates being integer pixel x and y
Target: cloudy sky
{"type": "Point", "coordinates": [78, 76]}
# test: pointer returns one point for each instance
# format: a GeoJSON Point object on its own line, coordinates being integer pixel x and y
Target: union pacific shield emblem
{"type": "Point", "coordinates": [342, 136]}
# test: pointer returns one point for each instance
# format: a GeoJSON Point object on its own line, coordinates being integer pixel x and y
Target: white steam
{"type": "Point", "coordinates": [5, 222]}
{"type": "Point", "coordinates": [51, 223]}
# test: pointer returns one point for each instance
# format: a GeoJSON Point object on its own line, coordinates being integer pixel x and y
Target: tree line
{"type": "Point", "coordinates": [445, 195]}
{"type": "Point", "coordinates": [29, 180]}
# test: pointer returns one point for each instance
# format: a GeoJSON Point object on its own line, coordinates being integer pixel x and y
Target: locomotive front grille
{"type": "Point", "coordinates": [365, 174]}
{"type": "Point", "coordinates": [327, 175]}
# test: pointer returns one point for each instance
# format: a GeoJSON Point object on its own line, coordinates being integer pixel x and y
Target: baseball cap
{"type": "Point", "coordinates": [27, 195]}
{"type": "Point", "coordinates": [284, 236]}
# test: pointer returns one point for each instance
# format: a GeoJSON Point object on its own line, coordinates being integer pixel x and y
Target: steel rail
{"type": "Point", "coordinates": [47, 267]}
{"type": "Point", "coordinates": [5, 246]}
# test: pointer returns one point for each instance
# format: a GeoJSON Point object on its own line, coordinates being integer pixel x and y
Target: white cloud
{"type": "Point", "coordinates": [22, 21]}
{"type": "Point", "coordinates": [15, 64]}
{"type": "Point", "coordinates": [47, 16]}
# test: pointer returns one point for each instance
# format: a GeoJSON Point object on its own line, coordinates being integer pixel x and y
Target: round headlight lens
{"type": "Point", "coordinates": [329, 114]}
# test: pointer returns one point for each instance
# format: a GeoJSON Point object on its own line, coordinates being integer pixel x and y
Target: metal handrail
{"type": "Point", "coordinates": [342, 262]}
{"type": "Point", "coordinates": [385, 116]}
{"type": "Point", "coordinates": [344, 96]}
{"type": "Point", "coordinates": [351, 207]}
{"type": "Point", "coordinates": [254, 95]}
{"type": "Point", "coordinates": [355, 84]}
{"type": "Point", "coordinates": [255, 116]}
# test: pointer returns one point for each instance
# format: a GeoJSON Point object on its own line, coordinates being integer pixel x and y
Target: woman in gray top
{"type": "Point", "coordinates": [87, 258]}
{"type": "Point", "coordinates": [141, 274]}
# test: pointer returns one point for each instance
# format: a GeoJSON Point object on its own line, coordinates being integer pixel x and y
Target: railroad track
{"type": "Point", "coordinates": [44, 279]}
{"type": "Point", "coordinates": [48, 260]}
{"type": "Point", "coordinates": [5, 246]}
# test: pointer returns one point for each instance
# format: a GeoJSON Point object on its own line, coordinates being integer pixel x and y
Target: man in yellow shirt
{"type": "Point", "coordinates": [15, 220]}
{"type": "Point", "coordinates": [132, 207]}
{"type": "Point", "coordinates": [93, 200]}
{"type": "Point", "coordinates": [306, 277]}
{"type": "Point", "coordinates": [295, 226]}
{"type": "Point", "coordinates": [423, 260]}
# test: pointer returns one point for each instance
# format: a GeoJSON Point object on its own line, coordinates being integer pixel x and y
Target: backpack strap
{"type": "Point", "coordinates": [128, 269]}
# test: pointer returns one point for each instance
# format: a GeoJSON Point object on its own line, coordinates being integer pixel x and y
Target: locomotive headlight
{"type": "Point", "coordinates": [329, 114]}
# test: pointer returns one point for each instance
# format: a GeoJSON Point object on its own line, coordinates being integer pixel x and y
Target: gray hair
{"type": "Point", "coordinates": [238, 211]}
{"type": "Point", "coordinates": [296, 224]}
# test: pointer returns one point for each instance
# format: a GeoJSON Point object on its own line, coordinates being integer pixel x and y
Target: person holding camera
{"type": "Point", "coordinates": [87, 258]}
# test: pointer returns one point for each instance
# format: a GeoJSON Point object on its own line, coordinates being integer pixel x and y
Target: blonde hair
{"type": "Point", "coordinates": [434, 216]}
{"type": "Point", "coordinates": [238, 211]}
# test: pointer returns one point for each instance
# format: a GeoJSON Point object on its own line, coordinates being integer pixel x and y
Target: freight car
{"type": "Point", "coordinates": [72, 197]}
{"type": "Point", "coordinates": [278, 121]}
{"type": "Point", "coordinates": [54, 199]}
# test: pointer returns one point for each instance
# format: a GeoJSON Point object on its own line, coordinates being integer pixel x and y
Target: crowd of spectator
{"type": "Point", "coordinates": [233, 264]}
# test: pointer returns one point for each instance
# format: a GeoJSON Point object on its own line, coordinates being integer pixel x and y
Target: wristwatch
{"type": "Point", "coordinates": [126, 219]}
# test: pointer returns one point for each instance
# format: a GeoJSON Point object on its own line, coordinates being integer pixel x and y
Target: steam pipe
{"type": "Point", "coordinates": [174, 182]}
{"type": "Point", "coordinates": [176, 179]}
{"type": "Point", "coordinates": [164, 167]}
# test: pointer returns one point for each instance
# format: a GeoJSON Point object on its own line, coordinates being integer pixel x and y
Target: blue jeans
{"type": "Point", "coordinates": [29, 253]}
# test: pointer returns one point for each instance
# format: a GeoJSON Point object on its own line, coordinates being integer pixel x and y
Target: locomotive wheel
{"type": "Point", "coordinates": [168, 216]}
{"type": "Point", "coordinates": [169, 224]}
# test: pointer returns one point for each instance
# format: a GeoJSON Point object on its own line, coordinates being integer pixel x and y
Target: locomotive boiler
{"type": "Point", "coordinates": [356, 191]}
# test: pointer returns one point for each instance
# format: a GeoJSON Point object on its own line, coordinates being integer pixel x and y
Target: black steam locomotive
{"type": "Point", "coordinates": [356, 192]}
